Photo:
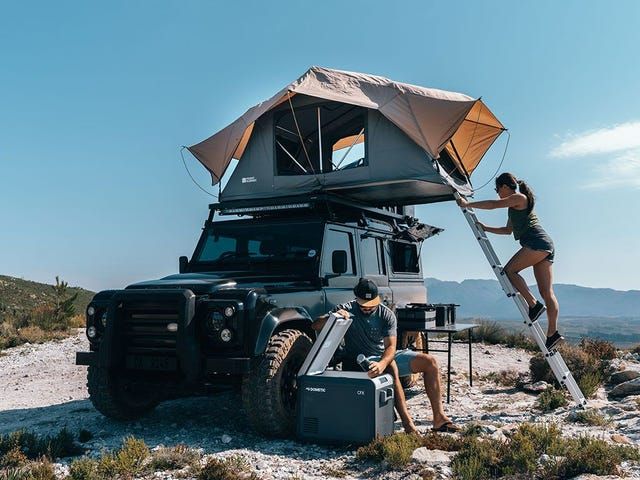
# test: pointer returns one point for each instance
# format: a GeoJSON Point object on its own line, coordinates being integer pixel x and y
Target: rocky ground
{"type": "Point", "coordinates": [43, 391]}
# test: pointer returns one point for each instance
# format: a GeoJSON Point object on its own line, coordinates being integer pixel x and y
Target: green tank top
{"type": "Point", "coordinates": [521, 221]}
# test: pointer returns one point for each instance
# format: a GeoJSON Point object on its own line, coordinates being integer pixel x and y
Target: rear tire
{"type": "Point", "coordinates": [269, 392]}
{"type": "Point", "coordinates": [111, 398]}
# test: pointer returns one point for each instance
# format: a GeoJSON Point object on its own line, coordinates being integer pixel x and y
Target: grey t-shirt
{"type": "Point", "coordinates": [366, 333]}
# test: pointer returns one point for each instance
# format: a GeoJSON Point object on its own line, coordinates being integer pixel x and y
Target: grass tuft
{"type": "Point", "coordinates": [34, 446]}
{"type": "Point", "coordinates": [551, 399]}
{"type": "Point", "coordinates": [505, 378]}
{"type": "Point", "coordinates": [591, 417]}
{"type": "Point", "coordinates": [230, 468]}
{"type": "Point", "coordinates": [519, 456]}
{"type": "Point", "coordinates": [174, 458]}
{"type": "Point", "coordinates": [395, 449]}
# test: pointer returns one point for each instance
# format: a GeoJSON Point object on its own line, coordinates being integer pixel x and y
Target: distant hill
{"type": "Point", "coordinates": [17, 295]}
{"type": "Point", "coordinates": [485, 298]}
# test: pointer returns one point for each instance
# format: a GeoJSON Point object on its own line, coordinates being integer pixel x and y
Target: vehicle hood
{"type": "Point", "coordinates": [201, 283]}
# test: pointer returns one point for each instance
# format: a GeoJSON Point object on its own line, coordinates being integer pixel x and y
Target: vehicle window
{"type": "Point", "coordinates": [341, 143]}
{"type": "Point", "coordinates": [338, 240]}
{"type": "Point", "coordinates": [404, 257]}
{"type": "Point", "coordinates": [370, 252]}
{"type": "Point", "coordinates": [230, 245]}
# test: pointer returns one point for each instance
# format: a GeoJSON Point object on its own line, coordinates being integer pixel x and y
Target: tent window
{"type": "Point", "coordinates": [404, 257]}
{"type": "Point", "coordinates": [341, 144]}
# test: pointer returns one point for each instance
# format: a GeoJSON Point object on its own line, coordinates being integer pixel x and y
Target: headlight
{"type": "Point", "coordinates": [226, 335]}
{"type": "Point", "coordinates": [229, 311]}
{"type": "Point", "coordinates": [216, 321]}
{"type": "Point", "coordinates": [103, 319]}
{"type": "Point", "coordinates": [92, 332]}
{"type": "Point", "coordinates": [91, 311]}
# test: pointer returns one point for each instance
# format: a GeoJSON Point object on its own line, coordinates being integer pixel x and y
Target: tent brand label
{"type": "Point", "coordinates": [249, 179]}
{"type": "Point", "coordinates": [316, 389]}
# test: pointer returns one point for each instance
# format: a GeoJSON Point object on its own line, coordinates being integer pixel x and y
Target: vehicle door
{"type": "Point", "coordinates": [373, 264]}
{"type": "Point", "coordinates": [339, 285]}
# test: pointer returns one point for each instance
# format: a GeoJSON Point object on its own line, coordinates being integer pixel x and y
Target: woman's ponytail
{"type": "Point", "coordinates": [524, 189]}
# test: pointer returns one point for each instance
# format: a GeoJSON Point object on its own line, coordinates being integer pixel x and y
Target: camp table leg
{"type": "Point", "coordinates": [449, 368]}
{"type": "Point", "coordinates": [470, 360]}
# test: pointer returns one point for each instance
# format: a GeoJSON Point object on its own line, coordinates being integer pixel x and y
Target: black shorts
{"type": "Point", "coordinates": [537, 239]}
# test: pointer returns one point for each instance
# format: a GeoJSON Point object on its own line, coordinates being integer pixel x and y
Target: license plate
{"type": "Point", "coordinates": [139, 362]}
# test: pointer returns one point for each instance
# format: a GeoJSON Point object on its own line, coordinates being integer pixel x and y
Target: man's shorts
{"type": "Point", "coordinates": [403, 360]}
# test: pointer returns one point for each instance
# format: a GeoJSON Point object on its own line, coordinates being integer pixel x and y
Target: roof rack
{"type": "Point", "coordinates": [302, 202]}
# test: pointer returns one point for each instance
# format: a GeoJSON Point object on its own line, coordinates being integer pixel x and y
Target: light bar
{"type": "Point", "coordinates": [267, 208]}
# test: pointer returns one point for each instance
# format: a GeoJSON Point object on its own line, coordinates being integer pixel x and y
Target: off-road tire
{"type": "Point", "coordinates": [110, 398]}
{"type": "Point", "coordinates": [269, 392]}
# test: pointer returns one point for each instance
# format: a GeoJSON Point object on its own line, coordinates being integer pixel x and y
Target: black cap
{"type": "Point", "coordinates": [366, 293]}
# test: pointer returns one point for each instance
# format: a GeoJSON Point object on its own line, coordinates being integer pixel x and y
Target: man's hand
{"type": "Point", "coordinates": [343, 313]}
{"type": "Point", "coordinates": [376, 369]}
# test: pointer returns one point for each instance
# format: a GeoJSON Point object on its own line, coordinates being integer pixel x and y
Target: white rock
{"type": "Point", "coordinates": [432, 457]}
{"type": "Point", "coordinates": [225, 438]}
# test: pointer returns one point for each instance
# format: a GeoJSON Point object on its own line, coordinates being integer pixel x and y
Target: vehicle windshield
{"type": "Point", "coordinates": [273, 247]}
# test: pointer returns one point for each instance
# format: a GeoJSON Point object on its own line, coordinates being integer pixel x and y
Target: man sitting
{"type": "Point", "coordinates": [373, 333]}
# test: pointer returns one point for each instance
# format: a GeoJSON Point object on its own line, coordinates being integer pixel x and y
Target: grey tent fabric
{"type": "Point", "coordinates": [422, 124]}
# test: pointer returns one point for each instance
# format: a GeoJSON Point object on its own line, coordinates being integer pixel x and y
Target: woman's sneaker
{"type": "Point", "coordinates": [553, 340]}
{"type": "Point", "coordinates": [536, 311]}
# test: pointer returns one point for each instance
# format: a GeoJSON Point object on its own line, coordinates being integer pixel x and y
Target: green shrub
{"type": "Point", "coordinates": [13, 458]}
{"type": "Point", "coordinates": [590, 382]}
{"type": "Point", "coordinates": [518, 456]}
{"type": "Point", "coordinates": [41, 470]}
{"type": "Point", "coordinates": [128, 460]}
{"type": "Point", "coordinates": [395, 449]}
{"type": "Point", "coordinates": [505, 378]}
{"type": "Point", "coordinates": [231, 468]}
{"type": "Point", "coordinates": [84, 468]}
{"type": "Point", "coordinates": [592, 455]}
{"type": "Point", "coordinates": [583, 366]}
{"type": "Point", "coordinates": [551, 399]}
{"type": "Point", "coordinates": [438, 441]}
{"type": "Point", "coordinates": [174, 458]}
{"type": "Point", "coordinates": [600, 349]}
{"type": "Point", "coordinates": [591, 417]}
{"type": "Point", "coordinates": [34, 446]}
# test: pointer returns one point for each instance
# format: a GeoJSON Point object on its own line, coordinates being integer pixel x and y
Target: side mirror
{"type": "Point", "coordinates": [339, 262]}
{"type": "Point", "coordinates": [183, 263]}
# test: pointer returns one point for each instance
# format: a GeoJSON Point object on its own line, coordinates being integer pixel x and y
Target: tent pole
{"type": "Point", "coordinates": [320, 139]}
{"type": "Point", "coordinates": [291, 157]}
{"type": "Point", "coordinates": [347, 152]}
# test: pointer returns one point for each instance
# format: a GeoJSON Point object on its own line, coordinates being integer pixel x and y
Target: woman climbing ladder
{"type": "Point", "coordinates": [537, 248]}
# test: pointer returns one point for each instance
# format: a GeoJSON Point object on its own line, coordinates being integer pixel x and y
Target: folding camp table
{"type": "Point", "coordinates": [449, 330]}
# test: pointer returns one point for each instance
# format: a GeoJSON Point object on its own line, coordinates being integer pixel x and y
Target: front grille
{"type": "Point", "coordinates": [146, 329]}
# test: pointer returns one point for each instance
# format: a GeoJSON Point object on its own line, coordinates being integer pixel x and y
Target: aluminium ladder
{"type": "Point", "coordinates": [553, 357]}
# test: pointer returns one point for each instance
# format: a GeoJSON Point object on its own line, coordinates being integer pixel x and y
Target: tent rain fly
{"type": "Point", "coordinates": [365, 136]}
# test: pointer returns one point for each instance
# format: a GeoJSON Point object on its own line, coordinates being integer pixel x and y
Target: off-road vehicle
{"type": "Point", "coordinates": [239, 313]}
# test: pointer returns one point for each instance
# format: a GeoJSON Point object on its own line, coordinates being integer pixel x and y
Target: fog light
{"type": "Point", "coordinates": [216, 321]}
{"type": "Point", "coordinates": [172, 327]}
{"type": "Point", "coordinates": [91, 311]}
{"type": "Point", "coordinates": [229, 311]}
{"type": "Point", "coordinates": [225, 335]}
{"type": "Point", "coordinates": [103, 319]}
{"type": "Point", "coordinates": [92, 332]}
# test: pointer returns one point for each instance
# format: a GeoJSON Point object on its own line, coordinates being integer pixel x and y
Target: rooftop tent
{"type": "Point", "coordinates": [366, 137]}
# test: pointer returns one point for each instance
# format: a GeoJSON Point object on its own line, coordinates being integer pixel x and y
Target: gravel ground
{"type": "Point", "coordinates": [43, 391]}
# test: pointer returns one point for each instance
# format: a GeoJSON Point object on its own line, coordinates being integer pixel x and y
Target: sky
{"type": "Point", "coordinates": [96, 99]}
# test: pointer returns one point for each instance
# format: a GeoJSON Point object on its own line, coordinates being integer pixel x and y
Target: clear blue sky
{"type": "Point", "coordinates": [96, 98]}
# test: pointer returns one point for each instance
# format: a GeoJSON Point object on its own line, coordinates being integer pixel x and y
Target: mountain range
{"type": "Point", "coordinates": [485, 298]}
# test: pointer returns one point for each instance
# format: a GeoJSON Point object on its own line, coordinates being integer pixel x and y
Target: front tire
{"type": "Point", "coordinates": [269, 392]}
{"type": "Point", "coordinates": [113, 399]}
